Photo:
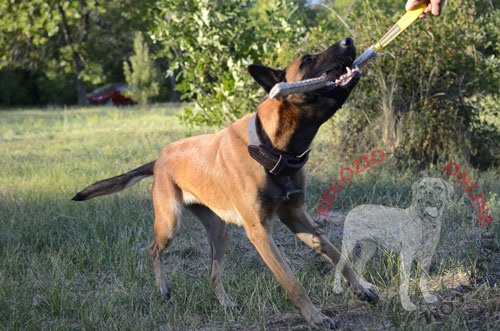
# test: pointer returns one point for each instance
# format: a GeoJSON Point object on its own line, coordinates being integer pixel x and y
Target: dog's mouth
{"type": "Point", "coordinates": [346, 77]}
{"type": "Point", "coordinates": [431, 208]}
{"type": "Point", "coordinates": [335, 80]}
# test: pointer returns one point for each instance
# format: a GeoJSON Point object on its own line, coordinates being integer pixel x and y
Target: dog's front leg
{"type": "Point", "coordinates": [425, 267]}
{"type": "Point", "coordinates": [297, 220]}
{"type": "Point", "coordinates": [404, 286]}
{"type": "Point", "coordinates": [259, 235]}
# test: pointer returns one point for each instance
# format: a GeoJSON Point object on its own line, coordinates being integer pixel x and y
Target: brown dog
{"type": "Point", "coordinates": [248, 174]}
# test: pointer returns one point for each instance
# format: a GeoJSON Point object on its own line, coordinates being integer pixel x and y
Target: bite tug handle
{"type": "Point", "coordinates": [400, 26]}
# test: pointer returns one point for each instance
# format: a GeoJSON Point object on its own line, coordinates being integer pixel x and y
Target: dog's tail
{"type": "Point", "coordinates": [115, 184]}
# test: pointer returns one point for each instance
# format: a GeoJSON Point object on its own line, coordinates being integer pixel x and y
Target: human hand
{"type": "Point", "coordinates": [433, 6]}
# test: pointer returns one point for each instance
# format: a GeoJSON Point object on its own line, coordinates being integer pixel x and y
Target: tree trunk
{"type": "Point", "coordinates": [77, 59]}
{"type": "Point", "coordinates": [175, 95]}
{"type": "Point", "coordinates": [80, 86]}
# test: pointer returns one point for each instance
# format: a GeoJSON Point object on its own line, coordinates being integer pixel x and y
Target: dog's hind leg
{"type": "Point", "coordinates": [168, 208]}
{"type": "Point", "coordinates": [217, 239]}
{"type": "Point", "coordinates": [297, 220]}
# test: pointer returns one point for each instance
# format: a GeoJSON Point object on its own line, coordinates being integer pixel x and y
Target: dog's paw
{"type": "Point", "coordinates": [165, 297]}
{"type": "Point", "coordinates": [234, 309]}
{"type": "Point", "coordinates": [429, 298]}
{"type": "Point", "coordinates": [408, 305]}
{"type": "Point", "coordinates": [233, 313]}
{"type": "Point", "coordinates": [338, 289]}
{"type": "Point", "coordinates": [164, 290]}
{"type": "Point", "coordinates": [369, 295]}
{"type": "Point", "coordinates": [327, 323]}
{"type": "Point", "coordinates": [334, 325]}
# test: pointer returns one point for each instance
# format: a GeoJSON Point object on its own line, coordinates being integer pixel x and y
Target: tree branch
{"type": "Point", "coordinates": [351, 32]}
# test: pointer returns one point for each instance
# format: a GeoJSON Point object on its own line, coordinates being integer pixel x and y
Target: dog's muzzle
{"type": "Point", "coordinates": [431, 207]}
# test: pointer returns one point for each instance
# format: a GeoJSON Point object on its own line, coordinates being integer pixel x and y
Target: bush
{"type": "Point", "coordinates": [18, 87]}
{"type": "Point", "coordinates": [421, 92]}
{"type": "Point", "coordinates": [212, 43]}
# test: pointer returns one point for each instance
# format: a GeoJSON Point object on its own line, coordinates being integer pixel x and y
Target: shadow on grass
{"type": "Point", "coordinates": [68, 265]}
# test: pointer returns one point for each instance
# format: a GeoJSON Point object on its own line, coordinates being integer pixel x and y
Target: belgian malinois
{"type": "Point", "coordinates": [249, 173]}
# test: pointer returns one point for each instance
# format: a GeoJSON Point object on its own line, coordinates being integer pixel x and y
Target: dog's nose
{"type": "Point", "coordinates": [346, 42]}
{"type": "Point", "coordinates": [429, 192]}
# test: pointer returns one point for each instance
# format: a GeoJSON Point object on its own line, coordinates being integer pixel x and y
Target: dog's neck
{"type": "Point", "coordinates": [287, 127]}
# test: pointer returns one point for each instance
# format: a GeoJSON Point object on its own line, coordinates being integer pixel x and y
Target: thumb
{"type": "Point", "coordinates": [411, 4]}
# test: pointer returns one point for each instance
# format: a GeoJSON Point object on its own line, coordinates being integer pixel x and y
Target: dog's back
{"type": "Point", "coordinates": [375, 222]}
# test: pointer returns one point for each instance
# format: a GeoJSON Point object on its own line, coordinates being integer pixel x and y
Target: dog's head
{"type": "Point", "coordinates": [332, 63]}
{"type": "Point", "coordinates": [430, 196]}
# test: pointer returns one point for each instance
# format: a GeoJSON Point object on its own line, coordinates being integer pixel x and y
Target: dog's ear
{"type": "Point", "coordinates": [450, 190]}
{"type": "Point", "coordinates": [414, 187]}
{"type": "Point", "coordinates": [265, 76]}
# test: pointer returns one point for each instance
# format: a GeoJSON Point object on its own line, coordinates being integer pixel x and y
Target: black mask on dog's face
{"type": "Point", "coordinates": [333, 63]}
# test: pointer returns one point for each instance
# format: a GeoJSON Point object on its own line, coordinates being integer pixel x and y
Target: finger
{"type": "Point", "coordinates": [428, 9]}
{"type": "Point", "coordinates": [411, 4]}
{"type": "Point", "coordinates": [436, 7]}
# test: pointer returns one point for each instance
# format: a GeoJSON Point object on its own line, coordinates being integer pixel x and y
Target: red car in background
{"type": "Point", "coordinates": [111, 94]}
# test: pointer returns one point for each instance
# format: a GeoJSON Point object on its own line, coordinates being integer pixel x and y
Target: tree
{"type": "Point", "coordinates": [141, 73]}
{"type": "Point", "coordinates": [211, 44]}
{"type": "Point", "coordinates": [83, 38]}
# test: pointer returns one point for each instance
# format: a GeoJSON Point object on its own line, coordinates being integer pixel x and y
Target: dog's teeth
{"type": "Point", "coordinates": [348, 70]}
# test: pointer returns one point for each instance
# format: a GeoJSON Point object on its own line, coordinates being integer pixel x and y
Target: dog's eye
{"type": "Point", "coordinates": [307, 59]}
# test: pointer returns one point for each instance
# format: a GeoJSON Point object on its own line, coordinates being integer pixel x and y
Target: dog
{"type": "Point", "coordinates": [411, 233]}
{"type": "Point", "coordinates": [249, 173]}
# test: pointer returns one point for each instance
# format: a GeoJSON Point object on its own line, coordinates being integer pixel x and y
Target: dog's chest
{"type": "Point", "coordinates": [421, 236]}
{"type": "Point", "coordinates": [285, 188]}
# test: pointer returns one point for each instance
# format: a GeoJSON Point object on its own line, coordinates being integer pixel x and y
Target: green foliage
{"type": "Point", "coordinates": [17, 85]}
{"type": "Point", "coordinates": [212, 43]}
{"type": "Point", "coordinates": [420, 93]}
{"type": "Point", "coordinates": [85, 39]}
{"type": "Point", "coordinates": [141, 73]}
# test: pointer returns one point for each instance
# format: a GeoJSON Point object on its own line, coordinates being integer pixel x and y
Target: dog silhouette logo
{"type": "Point", "coordinates": [411, 233]}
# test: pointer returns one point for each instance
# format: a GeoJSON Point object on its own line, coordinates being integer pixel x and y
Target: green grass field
{"type": "Point", "coordinates": [86, 266]}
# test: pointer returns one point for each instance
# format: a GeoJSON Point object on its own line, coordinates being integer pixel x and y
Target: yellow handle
{"type": "Point", "coordinates": [400, 26]}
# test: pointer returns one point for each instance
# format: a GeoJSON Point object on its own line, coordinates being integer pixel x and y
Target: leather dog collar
{"type": "Point", "coordinates": [276, 162]}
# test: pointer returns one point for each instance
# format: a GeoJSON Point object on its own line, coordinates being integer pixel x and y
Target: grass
{"type": "Point", "coordinates": [86, 266]}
